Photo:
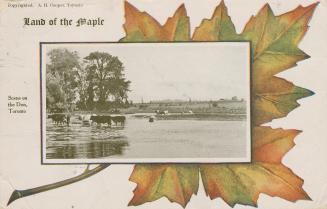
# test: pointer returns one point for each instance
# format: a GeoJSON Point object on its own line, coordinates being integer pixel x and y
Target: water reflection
{"type": "Point", "coordinates": [97, 149]}
{"type": "Point", "coordinates": [78, 141]}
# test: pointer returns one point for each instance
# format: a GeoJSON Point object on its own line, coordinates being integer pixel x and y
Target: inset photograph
{"type": "Point", "coordinates": [145, 102]}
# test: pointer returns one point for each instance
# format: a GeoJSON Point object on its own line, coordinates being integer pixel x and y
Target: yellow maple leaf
{"type": "Point", "coordinates": [140, 26]}
{"type": "Point", "coordinates": [274, 41]}
{"type": "Point", "coordinates": [176, 182]}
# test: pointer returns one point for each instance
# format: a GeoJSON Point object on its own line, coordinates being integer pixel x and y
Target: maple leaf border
{"type": "Point", "coordinates": [147, 190]}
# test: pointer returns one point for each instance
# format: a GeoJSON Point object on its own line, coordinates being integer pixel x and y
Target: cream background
{"type": "Point", "coordinates": [19, 134]}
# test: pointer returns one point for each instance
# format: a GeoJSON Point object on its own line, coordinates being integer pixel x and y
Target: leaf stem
{"type": "Point", "coordinates": [17, 194]}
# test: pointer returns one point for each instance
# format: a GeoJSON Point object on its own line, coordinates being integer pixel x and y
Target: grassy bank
{"type": "Point", "coordinates": [225, 107]}
{"type": "Point", "coordinates": [218, 110]}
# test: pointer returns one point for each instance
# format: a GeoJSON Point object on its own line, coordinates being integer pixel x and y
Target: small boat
{"type": "Point", "coordinates": [151, 119]}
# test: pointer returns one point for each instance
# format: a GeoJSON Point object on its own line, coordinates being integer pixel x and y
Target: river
{"type": "Point", "coordinates": [141, 139]}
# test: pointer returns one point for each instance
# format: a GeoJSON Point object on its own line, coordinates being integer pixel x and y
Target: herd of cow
{"type": "Point", "coordinates": [62, 119]}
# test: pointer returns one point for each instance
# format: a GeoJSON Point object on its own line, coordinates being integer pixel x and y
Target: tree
{"type": "Point", "coordinates": [106, 78]}
{"type": "Point", "coordinates": [55, 96]}
{"type": "Point", "coordinates": [99, 79]}
{"type": "Point", "coordinates": [62, 82]}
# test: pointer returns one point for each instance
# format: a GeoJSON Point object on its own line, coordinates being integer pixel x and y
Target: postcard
{"type": "Point", "coordinates": [163, 104]}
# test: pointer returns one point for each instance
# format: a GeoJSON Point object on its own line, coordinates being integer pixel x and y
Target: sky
{"type": "Point", "coordinates": [183, 71]}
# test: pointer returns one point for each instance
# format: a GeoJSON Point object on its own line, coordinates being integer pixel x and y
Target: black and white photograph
{"type": "Point", "coordinates": [145, 102]}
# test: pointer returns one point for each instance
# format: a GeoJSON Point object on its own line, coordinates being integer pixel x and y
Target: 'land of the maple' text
{"type": "Point", "coordinates": [81, 22]}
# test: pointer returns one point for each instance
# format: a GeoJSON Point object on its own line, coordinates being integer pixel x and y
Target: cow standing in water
{"type": "Point", "coordinates": [119, 119]}
{"type": "Point", "coordinates": [60, 118]}
{"type": "Point", "coordinates": [99, 119]}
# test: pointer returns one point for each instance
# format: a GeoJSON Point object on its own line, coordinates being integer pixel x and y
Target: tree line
{"type": "Point", "coordinates": [96, 82]}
